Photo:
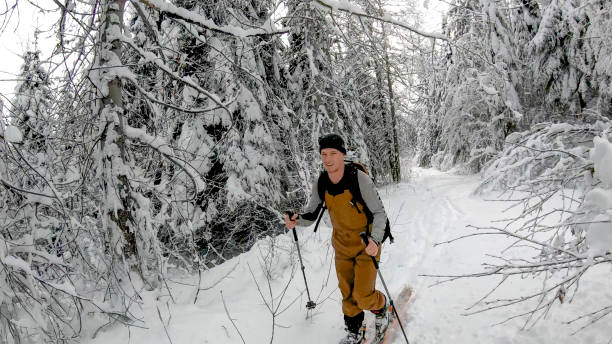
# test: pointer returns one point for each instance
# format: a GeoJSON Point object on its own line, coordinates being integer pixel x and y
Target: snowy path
{"type": "Point", "coordinates": [433, 207]}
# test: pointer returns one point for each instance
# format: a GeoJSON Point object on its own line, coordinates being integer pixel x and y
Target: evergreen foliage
{"type": "Point", "coordinates": [525, 100]}
{"type": "Point", "coordinates": [173, 136]}
{"type": "Point", "coordinates": [512, 65]}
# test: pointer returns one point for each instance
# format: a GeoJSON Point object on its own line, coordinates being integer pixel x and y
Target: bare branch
{"type": "Point", "coordinates": [230, 317]}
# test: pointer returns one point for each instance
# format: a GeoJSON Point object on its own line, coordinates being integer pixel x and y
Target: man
{"type": "Point", "coordinates": [354, 267]}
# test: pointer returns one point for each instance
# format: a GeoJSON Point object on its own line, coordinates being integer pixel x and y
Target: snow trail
{"type": "Point", "coordinates": [433, 207]}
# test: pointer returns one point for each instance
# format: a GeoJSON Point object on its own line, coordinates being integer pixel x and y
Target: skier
{"type": "Point", "coordinates": [354, 268]}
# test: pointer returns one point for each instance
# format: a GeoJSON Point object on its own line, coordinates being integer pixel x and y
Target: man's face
{"type": "Point", "coordinates": [333, 159]}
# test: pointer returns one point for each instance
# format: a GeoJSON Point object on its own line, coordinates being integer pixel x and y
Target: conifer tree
{"type": "Point", "coordinates": [316, 94]}
{"type": "Point", "coordinates": [35, 213]}
{"type": "Point", "coordinates": [32, 104]}
{"type": "Point", "coordinates": [470, 120]}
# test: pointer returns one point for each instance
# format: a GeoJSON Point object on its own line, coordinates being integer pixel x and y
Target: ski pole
{"type": "Point", "coordinates": [364, 237]}
{"type": "Point", "coordinates": [310, 304]}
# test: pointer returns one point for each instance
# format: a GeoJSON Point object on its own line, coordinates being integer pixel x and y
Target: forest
{"type": "Point", "coordinates": [173, 134]}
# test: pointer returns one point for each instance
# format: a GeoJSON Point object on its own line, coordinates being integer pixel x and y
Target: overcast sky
{"type": "Point", "coordinates": [18, 35]}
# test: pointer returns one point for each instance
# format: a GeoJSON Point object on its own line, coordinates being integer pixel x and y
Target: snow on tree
{"type": "Point", "coordinates": [38, 298]}
{"type": "Point", "coordinates": [540, 61]}
{"type": "Point", "coordinates": [374, 74]}
{"type": "Point", "coordinates": [472, 117]}
{"type": "Point", "coordinates": [173, 136]}
{"type": "Point", "coordinates": [132, 182]}
{"type": "Point", "coordinates": [525, 100]}
{"type": "Point", "coordinates": [31, 106]}
{"type": "Point", "coordinates": [556, 175]}
{"type": "Point", "coordinates": [12, 134]}
{"type": "Point", "coordinates": [315, 89]}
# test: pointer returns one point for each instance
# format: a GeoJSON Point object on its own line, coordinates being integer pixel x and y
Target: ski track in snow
{"type": "Point", "coordinates": [433, 207]}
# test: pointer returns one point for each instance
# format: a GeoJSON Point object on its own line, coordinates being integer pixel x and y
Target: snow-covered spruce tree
{"type": "Point", "coordinates": [31, 106]}
{"type": "Point", "coordinates": [598, 54]}
{"type": "Point", "coordinates": [569, 51]}
{"type": "Point", "coordinates": [557, 70]}
{"type": "Point", "coordinates": [37, 298]}
{"type": "Point", "coordinates": [239, 154]}
{"type": "Point", "coordinates": [153, 103]}
{"type": "Point", "coordinates": [432, 94]}
{"type": "Point", "coordinates": [125, 211]}
{"type": "Point", "coordinates": [357, 89]}
{"type": "Point", "coordinates": [361, 87]}
{"type": "Point", "coordinates": [224, 135]}
{"type": "Point", "coordinates": [316, 96]}
{"type": "Point", "coordinates": [372, 77]}
{"type": "Point", "coordinates": [429, 91]}
{"type": "Point", "coordinates": [474, 114]}
{"type": "Point", "coordinates": [554, 57]}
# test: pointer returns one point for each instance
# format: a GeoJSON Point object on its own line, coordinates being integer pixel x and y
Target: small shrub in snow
{"type": "Point", "coordinates": [559, 178]}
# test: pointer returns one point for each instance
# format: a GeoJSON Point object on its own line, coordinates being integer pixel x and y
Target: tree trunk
{"type": "Point", "coordinates": [113, 21]}
{"type": "Point", "coordinates": [115, 161]}
{"type": "Point", "coordinates": [395, 161]}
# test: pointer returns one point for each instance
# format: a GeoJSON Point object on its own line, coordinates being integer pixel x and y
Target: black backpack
{"type": "Point", "coordinates": [350, 172]}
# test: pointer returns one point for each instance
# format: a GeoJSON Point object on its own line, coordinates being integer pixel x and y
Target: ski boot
{"type": "Point", "coordinates": [382, 320]}
{"type": "Point", "coordinates": [355, 329]}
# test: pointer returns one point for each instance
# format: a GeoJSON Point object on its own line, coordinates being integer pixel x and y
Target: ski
{"type": "Point", "coordinates": [393, 332]}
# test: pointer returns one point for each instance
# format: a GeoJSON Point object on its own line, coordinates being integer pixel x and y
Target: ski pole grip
{"type": "Point", "coordinates": [290, 214]}
{"type": "Point", "coordinates": [364, 237]}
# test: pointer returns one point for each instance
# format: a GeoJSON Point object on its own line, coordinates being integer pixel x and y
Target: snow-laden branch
{"type": "Point", "coordinates": [163, 148]}
{"type": "Point", "coordinates": [543, 164]}
{"type": "Point", "coordinates": [175, 12]}
{"type": "Point", "coordinates": [17, 264]}
{"type": "Point", "coordinates": [150, 57]}
{"type": "Point", "coordinates": [11, 186]}
{"type": "Point", "coordinates": [152, 98]}
{"type": "Point", "coordinates": [533, 241]}
{"type": "Point", "coordinates": [36, 255]}
{"type": "Point", "coordinates": [347, 7]}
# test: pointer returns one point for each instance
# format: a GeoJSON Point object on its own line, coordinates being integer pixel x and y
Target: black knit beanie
{"type": "Point", "coordinates": [332, 141]}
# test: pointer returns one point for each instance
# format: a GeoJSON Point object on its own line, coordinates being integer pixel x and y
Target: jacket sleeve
{"type": "Point", "coordinates": [372, 201]}
{"type": "Point", "coordinates": [312, 209]}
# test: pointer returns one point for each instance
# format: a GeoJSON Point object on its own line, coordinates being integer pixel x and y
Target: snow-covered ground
{"type": "Point", "coordinates": [239, 297]}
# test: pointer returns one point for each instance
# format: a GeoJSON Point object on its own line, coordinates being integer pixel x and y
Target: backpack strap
{"type": "Point", "coordinates": [357, 197]}
{"type": "Point", "coordinates": [322, 184]}
{"type": "Point", "coordinates": [353, 186]}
